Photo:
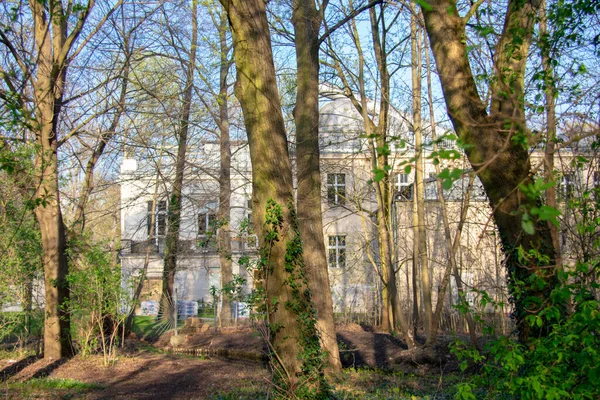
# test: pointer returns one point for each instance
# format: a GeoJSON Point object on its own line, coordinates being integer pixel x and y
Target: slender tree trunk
{"type": "Point", "coordinates": [415, 263]}
{"type": "Point", "coordinates": [223, 214]}
{"type": "Point", "coordinates": [174, 215]}
{"type": "Point", "coordinates": [78, 224]}
{"type": "Point", "coordinates": [450, 247]}
{"type": "Point", "coordinates": [549, 91]}
{"type": "Point", "coordinates": [420, 177]}
{"type": "Point", "coordinates": [143, 274]}
{"type": "Point", "coordinates": [495, 150]}
{"type": "Point", "coordinates": [307, 22]}
{"type": "Point", "coordinates": [393, 317]}
{"type": "Point", "coordinates": [290, 313]}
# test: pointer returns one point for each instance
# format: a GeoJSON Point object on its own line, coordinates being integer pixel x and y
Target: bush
{"type": "Point", "coordinates": [563, 364]}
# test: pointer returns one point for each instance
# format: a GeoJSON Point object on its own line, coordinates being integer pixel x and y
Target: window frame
{"type": "Point", "coordinates": [159, 211]}
{"type": "Point", "coordinates": [336, 189]}
{"type": "Point", "coordinates": [336, 251]}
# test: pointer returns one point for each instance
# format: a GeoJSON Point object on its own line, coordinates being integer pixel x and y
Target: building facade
{"type": "Point", "coordinates": [348, 207]}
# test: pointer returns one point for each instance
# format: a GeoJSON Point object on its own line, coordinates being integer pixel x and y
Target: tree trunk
{"type": "Point", "coordinates": [494, 142]}
{"type": "Point", "coordinates": [549, 92]}
{"type": "Point", "coordinates": [52, 45]}
{"type": "Point", "coordinates": [167, 305]}
{"type": "Point", "coordinates": [307, 22]}
{"type": "Point", "coordinates": [420, 177]}
{"type": "Point", "coordinates": [57, 332]}
{"type": "Point", "coordinates": [392, 316]}
{"type": "Point", "coordinates": [293, 335]}
{"type": "Point", "coordinates": [224, 234]}
{"type": "Point", "coordinates": [451, 247]}
{"type": "Point", "coordinates": [415, 264]}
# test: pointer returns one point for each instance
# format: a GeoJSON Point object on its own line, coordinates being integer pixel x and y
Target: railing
{"type": "Point", "coordinates": [202, 244]}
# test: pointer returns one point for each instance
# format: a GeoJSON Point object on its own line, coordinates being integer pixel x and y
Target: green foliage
{"type": "Point", "coordinates": [562, 363]}
{"type": "Point", "coordinates": [98, 301]}
{"type": "Point", "coordinates": [21, 260]}
{"type": "Point", "coordinates": [311, 382]}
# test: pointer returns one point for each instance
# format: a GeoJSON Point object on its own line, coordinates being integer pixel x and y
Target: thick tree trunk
{"type": "Point", "coordinates": [57, 332]}
{"type": "Point", "coordinates": [167, 304]}
{"type": "Point", "coordinates": [288, 303]}
{"type": "Point", "coordinates": [224, 234]}
{"type": "Point", "coordinates": [307, 22]}
{"type": "Point", "coordinates": [52, 45]}
{"type": "Point", "coordinates": [495, 150]}
{"type": "Point", "coordinates": [415, 265]}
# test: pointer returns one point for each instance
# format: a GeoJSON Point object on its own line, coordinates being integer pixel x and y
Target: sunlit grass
{"type": "Point", "coordinates": [50, 388]}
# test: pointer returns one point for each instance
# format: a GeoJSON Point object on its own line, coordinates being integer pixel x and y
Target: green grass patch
{"type": "Point", "coordinates": [50, 388]}
{"type": "Point", "coordinates": [385, 385]}
{"type": "Point", "coordinates": [55, 383]}
{"type": "Point", "coordinates": [250, 392]}
{"type": "Point", "coordinates": [150, 328]}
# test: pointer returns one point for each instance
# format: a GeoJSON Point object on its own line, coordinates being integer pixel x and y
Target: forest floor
{"type": "Point", "coordinates": [230, 364]}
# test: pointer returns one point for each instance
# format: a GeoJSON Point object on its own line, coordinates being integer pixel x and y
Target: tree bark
{"type": "Point", "coordinates": [419, 197]}
{"type": "Point", "coordinates": [549, 92]}
{"type": "Point", "coordinates": [497, 141]}
{"type": "Point", "coordinates": [224, 234]}
{"type": "Point", "coordinates": [53, 43]}
{"type": "Point", "coordinates": [288, 304]}
{"type": "Point", "coordinates": [307, 22]}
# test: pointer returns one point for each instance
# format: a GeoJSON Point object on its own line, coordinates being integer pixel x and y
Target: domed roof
{"type": "Point", "coordinates": [341, 126]}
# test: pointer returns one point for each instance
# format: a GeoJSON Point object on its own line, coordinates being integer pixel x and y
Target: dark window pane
{"type": "Point", "coordinates": [202, 224]}
{"type": "Point", "coordinates": [332, 261]}
{"type": "Point", "coordinates": [212, 222]}
{"type": "Point", "coordinates": [341, 199]}
{"type": "Point", "coordinates": [162, 224]}
{"type": "Point", "coordinates": [331, 195]}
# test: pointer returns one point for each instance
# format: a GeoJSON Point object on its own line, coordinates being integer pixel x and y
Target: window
{"type": "Point", "coordinates": [159, 217]}
{"type": "Point", "coordinates": [400, 182]}
{"type": "Point", "coordinates": [206, 223]}
{"type": "Point", "coordinates": [446, 143]}
{"type": "Point", "coordinates": [337, 251]}
{"type": "Point", "coordinates": [567, 186]}
{"type": "Point", "coordinates": [336, 189]}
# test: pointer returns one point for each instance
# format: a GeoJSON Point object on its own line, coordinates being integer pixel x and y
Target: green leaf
{"type": "Point", "coordinates": [527, 224]}
{"type": "Point", "coordinates": [378, 175]}
{"type": "Point", "coordinates": [424, 5]}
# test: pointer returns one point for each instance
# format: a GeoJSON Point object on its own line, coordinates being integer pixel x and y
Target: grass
{"type": "Point", "coordinates": [386, 385]}
{"type": "Point", "coordinates": [50, 388]}
{"type": "Point", "coordinates": [149, 328]}
{"type": "Point", "coordinates": [366, 384]}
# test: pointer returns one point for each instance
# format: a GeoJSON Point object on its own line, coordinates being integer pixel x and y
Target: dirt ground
{"type": "Point", "coordinates": [205, 366]}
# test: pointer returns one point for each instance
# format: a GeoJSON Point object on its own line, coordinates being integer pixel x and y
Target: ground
{"type": "Point", "coordinates": [230, 364]}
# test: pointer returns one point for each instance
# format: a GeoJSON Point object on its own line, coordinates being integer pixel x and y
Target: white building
{"type": "Point", "coordinates": [348, 204]}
